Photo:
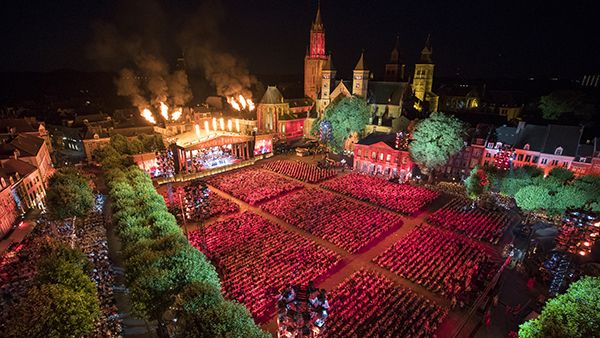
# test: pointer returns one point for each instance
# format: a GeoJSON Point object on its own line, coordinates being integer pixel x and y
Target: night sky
{"type": "Point", "coordinates": [475, 39]}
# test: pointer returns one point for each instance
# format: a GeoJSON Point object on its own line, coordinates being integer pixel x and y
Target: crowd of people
{"type": "Point", "coordinates": [256, 259]}
{"type": "Point", "coordinates": [214, 207]}
{"type": "Point", "coordinates": [253, 185]}
{"type": "Point", "coordinates": [439, 260]}
{"type": "Point", "coordinates": [302, 311]}
{"type": "Point", "coordinates": [208, 158]}
{"type": "Point", "coordinates": [300, 170]}
{"type": "Point", "coordinates": [90, 237]}
{"type": "Point", "coordinates": [17, 270]}
{"type": "Point", "coordinates": [341, 221]}
{"type": "Point", "coordinates": [460, 216]}
{"type": "Point", "coordinates": [367, 304]}
{"type": "Point", "coordinates": [403, 198]}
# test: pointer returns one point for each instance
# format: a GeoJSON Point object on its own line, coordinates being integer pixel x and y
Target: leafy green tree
{"type": "Point", "coordinates": [559, 102]}
{"type": "Point", "coordinates": [69, 194]}
{"type": "Point", "coordinates": [347, 116]}
{"type": "Point", "coordinates": [567, 197]}
{"type": "Point", "coordinates": [476, 183]}
{"type": "Point", "coordinates": [54, 310]}
{"type": "Point", "coordinates": [436, 139]}
{"type": "Point", "coordinates": [533, 197]}
{"type": "Point", "coordinates": [574, 314]}
{"type": "Point", "coordinates": [120, 143]}
{"type": "Point", "coordinates": [227, 319]}
{"type": "Point", "coordinates": [562, 174]}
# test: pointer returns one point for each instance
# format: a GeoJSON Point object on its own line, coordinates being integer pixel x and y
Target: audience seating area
{"type": "Point", "coordinates": [256, 259]}
{"type": "Point", "coordinates": [217, 205]}
{"type": "Point", "coordinates": [402, 198]}
{"type": "Point", "coordinates": [369, 305]}
{"type": "Point", "coordinates": [436, 259]}
{"type": "Point", "coordinates": [476, 223]}
{"type": "Point", "coordinates": [342, 221]}
{"type": "Point", "coordinates": [253, 185]}
{"type": "Point", "coordinates": [300, 170]}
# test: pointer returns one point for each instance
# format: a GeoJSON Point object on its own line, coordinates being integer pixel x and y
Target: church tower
{"type": "Point", "coordinates": [394, 69]}
{"type": "Point", "coordinates": [315, 58]}
{"type": "Point", "coordinates": [423, 78]}
{"type": "Point", "coordinates": [360, 78]}
{"type": "Point", "coordinates": [327, 82]}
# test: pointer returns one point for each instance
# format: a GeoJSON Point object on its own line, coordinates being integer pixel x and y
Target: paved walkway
{"type": "Point", "coordinates": [353, 262]}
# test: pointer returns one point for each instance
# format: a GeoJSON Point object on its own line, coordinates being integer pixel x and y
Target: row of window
{"type": "Point", "coordinates": [374, 155]}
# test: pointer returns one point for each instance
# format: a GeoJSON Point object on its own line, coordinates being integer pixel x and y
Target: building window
{"type": "Point", "coordinates": [535, 159]}
{"type": "Point", "coordinates": [359, 152]}
{"type": "Point", "coordinates": [373, 155]}
{"type": "Point", "coordinates": [558, 151]}
{"type": "Point", "coordinates": [565, 164]}
{"type": "Point", "coordinates": [404, 160]}
{"type": "Point", "coordinates": [528, 158]}
{"type": "Point", "coordinates": [520, 157]}
{"type": "Point", "coordinates": [388, 157]}
{"type": "Point", "coordinates": [544, 160]}
{"type": "Point", "coordinates": [381, 156]}
{"type": "Point", "coordinates": [526, 147]}
{"type": "Point", "coordinates": [554, 162]}
{"type": "Point", "coordinates": [488, 155]}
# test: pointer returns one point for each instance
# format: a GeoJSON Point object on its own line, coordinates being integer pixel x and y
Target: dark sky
{"type": "Point", "coordinates": [478, 38]}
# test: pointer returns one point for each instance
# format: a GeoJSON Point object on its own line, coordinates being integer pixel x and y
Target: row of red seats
{"type": "Point", "coordinates": [256, 259]}
{"type": "Point", "coordinates": [459, 216]}
{"type": "Point", "coordinates": [216, 206]}
{"type": "Point", "coordinates": [436, 259]}
{"type": "Point", "coordinates": [253, 185]}
{"type": "Point", "coordinates": [403, 198]}
{"type": "Point", "coordinates": [300, 170]}
{"type": "Point", "coordinates": [341, 221]}
{"type": "Point", "coordinates": [369, 305]}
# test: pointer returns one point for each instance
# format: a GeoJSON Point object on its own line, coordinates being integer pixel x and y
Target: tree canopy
{"type": "Point", "coordinates": [346, 117]}
{"type": "Point", "coordinates": [573, 314]}
{"type": "Point", "coordinates": [477, 183]}
{"type": "Point", "coordinates": [69, 194]}
{"type": "Point", "coordinates": [557, 103]}
{"type": "Point", "coordinates": [436, 139]}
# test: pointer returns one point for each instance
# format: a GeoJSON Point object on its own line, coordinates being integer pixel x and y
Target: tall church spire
{"type": "Point", "coordinates": [318, 23]}
{"type": "Point", "coordinates": [394, 55]}
{"type": "Point", "coordinates": [360, 65]}
{"type": "Point", "coordinates": [427, 51]}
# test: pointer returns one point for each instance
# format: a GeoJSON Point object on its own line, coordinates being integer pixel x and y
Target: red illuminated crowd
{"type": "Point", "coordinates": [256, 259]}
{"type": "Point", "coordinates": [253, 185]}
{"type": "Point", "coordinates": [216, 206]}
{"type": "Point", "coordinates": [476, 223]}
{"type": "Point", "coordinates": [402, 198]}
{"type": "Point", "coordinates": [343, 222]}
{"type": "Point", "coordinates": [438, 260]}
{"type": "Point", "coordinates": [300, 170]}
{"type": "Point", "coordinates": [368, 305]}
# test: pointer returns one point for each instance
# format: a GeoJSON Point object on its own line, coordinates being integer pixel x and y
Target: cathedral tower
{"type": "Point", "coordinates": [360, 78]}
{"type": "Point", "coordinates": [423, 78]}
{"type": "Point", "coordinates": [315, 58]}
{"type": "Point", "coordinates": [394, 69]}
{"type": "Point", "coordinates": [327, 82]}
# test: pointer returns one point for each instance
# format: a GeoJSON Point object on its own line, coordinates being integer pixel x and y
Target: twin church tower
{"type": "Point", "coordinates": [321, 86]}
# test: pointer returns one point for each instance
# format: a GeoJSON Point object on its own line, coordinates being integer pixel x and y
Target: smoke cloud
{"type": "Point", "coordinates": [143, 31]}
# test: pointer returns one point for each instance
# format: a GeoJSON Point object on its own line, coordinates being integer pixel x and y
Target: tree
{"type": "Point", "coordinates": [573, 314]}
{"type": "Point", "coordinates": [436, 139]}
{"type": "Point", "coordinates": [562, 174]}
{"type": "Point", "coordinates": [533, 197]}
{"type": "Point", "coordinates": [559, 102]}
{"type": "Point", "coordinates": [69, 194]}
{"type": "Point", "coordinates": [347, 116]}
{"type": "Point", "coordinates": [476, 183]}
{"type": "Point", "coordinates": [54, 310]}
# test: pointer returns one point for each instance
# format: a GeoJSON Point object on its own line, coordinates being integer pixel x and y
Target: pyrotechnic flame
{"type": "Point", "coordinates": [176, 114]}
{"type": "Point", "coordinates": [147, 114]}
{"type": "Point", "coordinates": [197, 129]}
{"type": "Point", "coordinates": [250, 105]}
{"type": "Point", "coordinates": [242, 101]}
{"type": "Point", "coordinates": [164, 111]}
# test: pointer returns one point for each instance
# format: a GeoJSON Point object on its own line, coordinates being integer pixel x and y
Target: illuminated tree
{"type": "Point", "coordinates": [69, 194]}
{"type": "Point", "coordinates": [347, 116]}
{"type": "Point", "coordinates": [533, 197]}
{"type": "Point", "coordinates": [436, 139]}
{"type": "Point", "coordinates": [573, 314]}
{"type": "Point", "coordinates": [562, 174]}
{"type": "Point", "coordinates": [557, 103]}
{"type": "Point", "coordinates": [476, 183]}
